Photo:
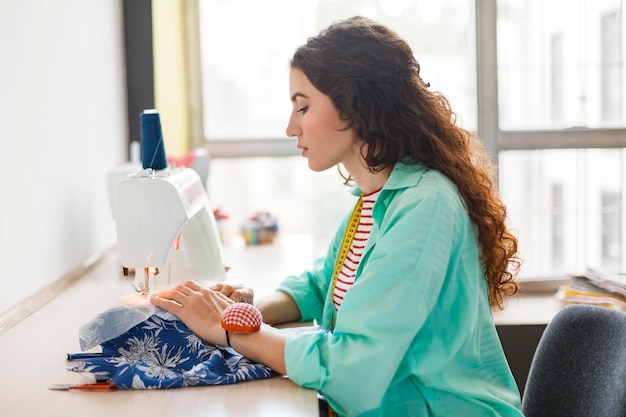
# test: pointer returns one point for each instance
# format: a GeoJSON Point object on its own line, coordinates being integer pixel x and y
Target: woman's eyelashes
{"type": "Point", "coordinates": [303, 110]}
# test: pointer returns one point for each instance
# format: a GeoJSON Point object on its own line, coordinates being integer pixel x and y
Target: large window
{"type": "Point", "coordinates": [560, 117]}
{"type": "Point", "coordinates": [562, 137]}
{"type": "Point", "coordinates": [246, 46]}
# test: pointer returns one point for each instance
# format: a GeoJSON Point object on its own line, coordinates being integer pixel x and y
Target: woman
{"type": "Point", "coordinates": [406, 300]}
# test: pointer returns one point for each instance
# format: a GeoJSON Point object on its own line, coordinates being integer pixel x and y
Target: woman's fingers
{"type": "Point", "coordinates": [193, 285]}
{"type": "Point", "coordinates": [191, 298]}
{"type": "Point", "coordinates": [182, 292]}
{"type": "Point", "coordinates": [200, 308]}
{"type": "Point", "coordinates": [228, 289]}
{"type": "Point", "coordinates": [235, 292]}
{"type": "Point", "coordinates": [243, 295]}
{"type": "Point", "coordinates": [166, 304]}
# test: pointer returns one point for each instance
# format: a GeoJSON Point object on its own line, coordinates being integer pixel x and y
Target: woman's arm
{"type": "Point", "coordinates": [267, 346]}
{"type": "Point", "coordinates": [201, 308]}
{"type": "Point", "coordinates": [278, 308]}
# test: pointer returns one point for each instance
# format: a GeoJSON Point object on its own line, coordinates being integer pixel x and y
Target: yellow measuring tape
{"type": "Point", "coordinates": [348, 237]}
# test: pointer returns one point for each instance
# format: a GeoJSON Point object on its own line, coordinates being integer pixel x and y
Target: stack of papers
{"type": "Point", "coordinates": [595, 288]}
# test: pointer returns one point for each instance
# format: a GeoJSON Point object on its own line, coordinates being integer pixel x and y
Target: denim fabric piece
{"type": "Point", "coordinates": [163, 353]}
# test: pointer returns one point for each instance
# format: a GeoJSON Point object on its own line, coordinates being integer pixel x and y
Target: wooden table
{"type": "Point", "coordinates": [32, 357]}
{"type": "Point", "coordinates": [32, 353]}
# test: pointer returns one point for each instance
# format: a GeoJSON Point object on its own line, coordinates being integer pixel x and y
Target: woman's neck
{"type": "Point", "coordinates": [369, 181]}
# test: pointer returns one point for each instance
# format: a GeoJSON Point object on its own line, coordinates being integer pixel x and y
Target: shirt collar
{"type": "Point", "coordinates": [402, 176]}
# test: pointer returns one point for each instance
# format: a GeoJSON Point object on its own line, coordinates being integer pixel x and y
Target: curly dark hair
{"type": "Point", "coordinates": [373, 79]}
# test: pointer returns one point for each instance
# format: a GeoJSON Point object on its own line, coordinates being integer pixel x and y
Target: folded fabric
{"type": "Point", "coordinates": [117, 320]}
{"type": "Point", "coordinates": [159, 352]}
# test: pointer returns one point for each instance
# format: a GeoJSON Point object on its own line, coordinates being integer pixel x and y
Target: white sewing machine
{"type": "Point", "coordinates": [165, 227]}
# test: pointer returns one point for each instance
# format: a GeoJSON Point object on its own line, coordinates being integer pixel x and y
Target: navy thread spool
{"type": "Point", "coordinates": [152, 147]}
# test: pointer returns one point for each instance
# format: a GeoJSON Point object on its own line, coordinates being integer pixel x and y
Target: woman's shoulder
{"type": "Point", "coordinates": [415, 181]}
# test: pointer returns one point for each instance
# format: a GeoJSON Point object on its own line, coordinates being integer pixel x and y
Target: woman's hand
{"type": "Point", "coordinates": [236, 292]}
{"type": "Point", "coordinates": [200, 308]}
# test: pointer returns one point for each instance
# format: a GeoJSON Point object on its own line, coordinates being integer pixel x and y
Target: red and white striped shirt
{"type": "Point", "coordinates": [353, 259]}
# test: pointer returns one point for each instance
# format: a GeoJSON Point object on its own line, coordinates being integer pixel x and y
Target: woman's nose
{"type": "Point", "coordinates": [293, 129]}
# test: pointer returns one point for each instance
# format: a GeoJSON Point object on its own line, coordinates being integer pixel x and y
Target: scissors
{"type": "Point", "coordinates": [97, 386]}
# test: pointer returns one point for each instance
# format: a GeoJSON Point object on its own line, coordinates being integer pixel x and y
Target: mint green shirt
{"type": "Point", "coordinates": [415, 333]}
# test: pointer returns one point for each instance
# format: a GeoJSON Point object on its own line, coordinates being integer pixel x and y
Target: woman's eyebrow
{"type": "Point", "coordinates": [296, 95]}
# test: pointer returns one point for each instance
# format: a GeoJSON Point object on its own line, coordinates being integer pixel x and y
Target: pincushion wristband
{"type": "Point", "coordinates": [241, 318]}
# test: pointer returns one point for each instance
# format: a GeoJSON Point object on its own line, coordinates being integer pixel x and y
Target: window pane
{"type": "Point", "coordinates": [566, 207]}
{"type": "Point", "coordinates": [246, 46]}
{"type": "Point", "coordinates": [560, 64]}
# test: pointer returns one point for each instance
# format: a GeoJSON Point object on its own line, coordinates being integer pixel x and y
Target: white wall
{"type": "Point", "coordinates": [62, 127]}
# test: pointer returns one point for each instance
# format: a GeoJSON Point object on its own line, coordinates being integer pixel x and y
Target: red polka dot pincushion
{"type": "Point", "coordinates": [241, 318]}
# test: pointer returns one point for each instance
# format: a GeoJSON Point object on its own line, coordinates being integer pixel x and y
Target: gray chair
{"type": "Point", "coordinates": [579, 367]}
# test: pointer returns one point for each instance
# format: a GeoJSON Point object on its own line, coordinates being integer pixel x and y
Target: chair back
{"type": "Point", "coordinates": [579, 367]}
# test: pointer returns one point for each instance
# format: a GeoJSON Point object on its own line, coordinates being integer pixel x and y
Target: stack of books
{"type": "Point", "coordinates": [595, 288]}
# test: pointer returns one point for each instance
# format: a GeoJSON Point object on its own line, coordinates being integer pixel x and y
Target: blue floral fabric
{"type": "Point", "coordinates": [163, 353]}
